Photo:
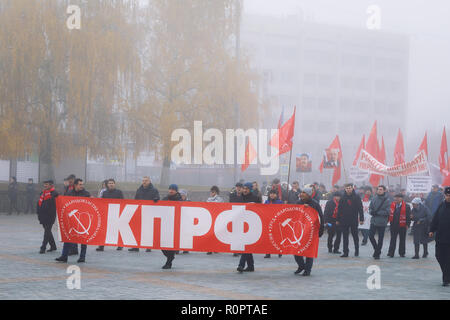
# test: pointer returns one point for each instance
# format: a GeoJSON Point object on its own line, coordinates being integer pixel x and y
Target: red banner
{"type": "Point", "coordinates": [190, 226]}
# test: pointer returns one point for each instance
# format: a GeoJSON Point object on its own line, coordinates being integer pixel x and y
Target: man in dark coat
{"type": "Point", "coordinates": [434, 199]}
{"type": "Point", "coordinates": [294, 193]}
{"type": "Point", "coordinates": [146, 192]}
{"type": "Point", "coordinates": [77, 191]}
{"type": "Point", "coordinates": [173, 195]}
{"type": "Point", "coordinates": [12, 195]}
{"type": "Point", "coordinates": [236, 194]}
{"type": "Point", "coordinates": [420, 216]}
{"type": "Point", "coordinates": [111, 193]}
{"type": "Point", "coordinates": [379, 210]}
{"type": "Point", "coordinates": [46, 211]}
{"type": "Point", "coordinates": [30, 194]}
{"type": "Point", "coordinates": [441, 226]}
{"type": "Point", "coordinates": [247, 197]}
{"type": "Point", "coordinates": [307, 200]}
{"type": "Point", "coordinates": [350, 210]}
{"type": "Point", "coordinates": [399, 219]}
{"type": "Point", "coordinates": [331, 209]}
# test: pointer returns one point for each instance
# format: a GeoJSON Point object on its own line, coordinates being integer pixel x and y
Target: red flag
{"type": "Point", "coordinates": [443, 154]}
{"type": "Point", "coordinates": [283, 138]}
{"type": "Point", "coordinates": [336, 144]}
{"type": "Point", "coordinates": [372, 148]}
{"type": "Point", "coordinates": [424, 145]}
{"type": "Point", "coordinates": [399, 152]}
{"type": "Point", "coordinates": [250, 155]}
{"type": "Point", "coordinates": [358, 153]}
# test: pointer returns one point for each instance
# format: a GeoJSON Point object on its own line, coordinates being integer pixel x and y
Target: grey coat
{"type": "Point", "coordinates": [420, 218]}
{"type": "Point", "coordinates": [381, 216]}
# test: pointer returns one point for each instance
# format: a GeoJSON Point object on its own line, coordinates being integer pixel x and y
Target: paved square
{"type": "Point", "coordinates": [26, 274]}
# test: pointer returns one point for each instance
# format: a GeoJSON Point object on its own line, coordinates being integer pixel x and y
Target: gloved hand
{"type": "Point", "coordinates": [155, 200]}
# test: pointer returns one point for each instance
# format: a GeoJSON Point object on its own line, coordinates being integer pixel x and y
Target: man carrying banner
{"type": "Point", "coordinates": [307, 200]}
{"type": "Point", "coordinates": [247, 197]}
{"type": "Point", "coordinates": [349, 211]}
{"type": "Point", "coordinates": [379, 210]}
{"type": "Point", "coordinates": [441, 226]}
{"type": "Point", "coordinates": [399, 219]}
{"type": "Point", "coordinates": [77, 191]}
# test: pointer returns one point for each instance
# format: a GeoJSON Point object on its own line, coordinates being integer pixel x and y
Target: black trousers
{"type": "Point", "coordinates": [346, 229]}
{"type": "Point", "coordinates": [377, 246]}
{"type": "Point", "coordinates": [13, 205]}
{"type": "Point", "coordinates": [334, 230]}
{"type": "Point", "coordinates": [48, 237]}
{"type": "Point", "coordinates": [30, 206]}
{"type": "Point", "coordinates": [400, 232]}
{"type": "Point", "coordinates": [443, 257]}
{"type": "Point", "coordinates": [246, 258]}
{"type": "Point", "coordinates": [170, 255]}
{"type": "Point", "coordinates": [301, 263]}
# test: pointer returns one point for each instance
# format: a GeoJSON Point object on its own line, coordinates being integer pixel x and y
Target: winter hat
{"type": "Point", "coordinates": [183, 192]}
{"type": "Point", "coordinates": [173, 187]}
{"type": "Point", "coordinates": [248, 185]}
{"type": "Point", "coordinates": [447, 190]}
{"type": "Point", "coordinates": [416, 201]}
{"type": "Point", "coordinates": [308, 190]}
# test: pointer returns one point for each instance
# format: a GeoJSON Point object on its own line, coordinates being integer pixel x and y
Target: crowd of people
{"type": "Point", "coordinates": [344, 214]}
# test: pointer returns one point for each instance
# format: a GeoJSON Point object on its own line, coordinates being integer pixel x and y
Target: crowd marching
{"type": "Point", "coordinates": [428, 218]}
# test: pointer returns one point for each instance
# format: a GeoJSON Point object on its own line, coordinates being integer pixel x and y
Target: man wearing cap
{"type": "Point", "coordinates": [307, 200]}
{"type": "Point", "coordinates": [441, 226]}
{"type": "Point", "coordinates": [46, 211]}
{"type": "Point", "coordinates": [399, 219]}
{"type": "Point", "coordinates": [77, 191]}
{"type": "Point", "coordinates": [350, 211]}
{"type": "Point", "coordinates": [331, 209]}
{"type": "Point", "coordinates": [146, 192]}
{"type": "Point", "coordinates": [419, 215]}
{"type": "Point", "coordinates": [173, 195]}
{"type": "Point", "coordinates": [247, 197]}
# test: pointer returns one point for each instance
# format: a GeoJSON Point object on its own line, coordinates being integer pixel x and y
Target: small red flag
{"type": "Point", "coordinates": [399, 151]}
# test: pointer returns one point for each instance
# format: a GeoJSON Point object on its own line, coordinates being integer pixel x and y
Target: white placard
{"type": "Point", "coordinates": [419, 184]}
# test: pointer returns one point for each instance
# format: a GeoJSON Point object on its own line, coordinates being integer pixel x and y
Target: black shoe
{"type": "Point", "coordinates": [345, 255]}
{"type": "Point", "coordinates": [185, 252]}
{"type": "Point", "coordinates": [415, 257]}
{"type": "Point", "coordinates": [306, 273]}
{"type": "Point", "coordinates": [209, 253]}
{"type": "Point", "coordinates": [235, 254]}
{"type": "Point", "coordinates": [240, 269]}
{"type": "Point", "coordinates": [337, 251]}
{"type": "Point", "coordinates": [42, 251]}
{"type": "Point", "coordinates": [280, 255]}
{"type": "Point", "coordinates": [249, 269]}
{"type": "Point", "coordinates": [81, 260]}
{"type": "Point", "coordinates": [51, 249]}
{"type": "Point", "coordinates": [377, 257]}
{"type": "Point", "coordinates": [177, 252]}
{"type": "Point", "coordinates": [402, 256]}
{"type": "Point", "coordinates": [330, 250]}
{"type": "Point", "coordinates": [119, 248]}
{"type": "Point", "coordinates": [148, 250]}
{"type": "Point", "coordinates": [167, 266]}
{"type": "Point", "coordinates": [298, 270]}
{"type": "Point", "coordinates": [267, 256]}
{"type": "Point", "coordinates": [100, 249]}
{"type": "Point", "coordinates": [61, 259]}
{"type": "Point", "coordinates": [133, 249]}
{"type": "Point", "coordinates": [364, 243]}
{"type": "Point", "coordinates": [390, 255]}
{"type": "Point", "coordinates": [445, 284]}
{"type": "Point", "coordinates": [357, 253]}
{"type": "Point", "coordinates": [425, 255]}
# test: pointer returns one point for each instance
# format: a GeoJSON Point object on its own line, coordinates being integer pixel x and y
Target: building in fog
{"type": "Point", "coordinates": [341, 79]}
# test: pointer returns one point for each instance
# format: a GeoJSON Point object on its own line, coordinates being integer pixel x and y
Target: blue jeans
{"type": "Point", "coordinates": [246, 257]}
{"type": "Point", "coordinates": [71, 246]}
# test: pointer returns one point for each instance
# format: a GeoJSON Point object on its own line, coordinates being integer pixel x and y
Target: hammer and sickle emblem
{"type": "Point", "coordinates": [73, 213]}
{"type": "Point", "coordinates": [292, 239]}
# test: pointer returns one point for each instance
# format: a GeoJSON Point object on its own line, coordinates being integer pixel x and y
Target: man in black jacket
{"type": "Point", "coordinates": [350, 208]}
{"type": "Point", "coordinates": [307, 200]}
{"type": "Point", "coordinates": [441, 226]}
{"type": "Point", "coordinates": [236, 194]}
{"type": "Point", "coordinates": [111, 193]}
{"type": "Point", "coordinates": [146, 192]}
{"type": "Point", "coordinates": [247, 197]}
{"type": "Point", "coordinates": [400, 219]}
{"type": "Point", "coordinates": [330, 214]}
{"type": "Point", "coordinates": [30, 193]}
{"type": "Point", "coordinates": [12, 195]}
{"type": "Point", "coordinates": [46, 211]}
{"type": "Point", "coordinates": [173, 195]}
{"type": "Point", "coordinates": [293, 194]}
{"type": "Point", "coordinates": [77, 191]}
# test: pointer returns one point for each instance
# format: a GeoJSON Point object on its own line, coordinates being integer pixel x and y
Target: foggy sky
{"type": "Point", "coordinates": [426, 23]}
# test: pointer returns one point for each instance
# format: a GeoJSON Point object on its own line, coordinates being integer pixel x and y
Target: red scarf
{"type": "Point", "coordinates": [335, 209]}
{"type": "Point", "coordinates": [402, 213]}
{"type": "Point", "coordinates": [366, 198]}
{"type": "Point", "coordinates": [46, 194]}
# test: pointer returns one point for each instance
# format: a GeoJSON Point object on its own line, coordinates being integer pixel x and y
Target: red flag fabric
{"type": "Point", "coordinates": [250, 155]}
{"type": "Point", "coordinates": [189, 226]}
{"type": "Point", "coordinates": [336, 144]}
{"type": "Point", "coordinates": [424, 145]}
{"type": "Point", "coordinates": [444, 152]}
{"type": "Point", "coordinates": [358, 153]}
{"type": "Point", "coordinates": [372, 148]}
{"type": "Point", "coordinates": [399, 151]}
{"type": "Point", "coordinates": [382, 152]}
{"type": "Point", "coordinates": [283, 138]}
